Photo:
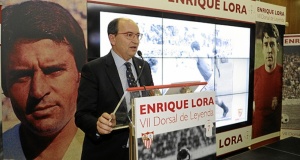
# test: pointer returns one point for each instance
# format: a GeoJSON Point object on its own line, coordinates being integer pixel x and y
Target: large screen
{"type": "Point", "coordinates": [182, 48]}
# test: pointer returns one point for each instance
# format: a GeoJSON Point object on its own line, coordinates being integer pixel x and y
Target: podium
{"type": "Point", "coordinates": [174, 126]}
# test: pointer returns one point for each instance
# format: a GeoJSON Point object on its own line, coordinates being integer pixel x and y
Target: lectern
{"type": "Point", "coordinates": [178, 125]}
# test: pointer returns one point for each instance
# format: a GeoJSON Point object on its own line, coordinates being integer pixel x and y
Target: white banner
{"type": "Point", "coordinates": [290, 120]}
{"type": "Point", "coordinates": [270, 13]}
{"type": "Point", "coordinates": [285, 133]}
{"type": "Point", "coordinates": [178, 123]}
{"type": "Point", "coordinates": [233, 140]}
{"type": "Point", "coordinates": [174, 112]}
{"type": "Point", "coordinates": [225, 9]}
{"type": "Point", "coordinates": [291, 40]}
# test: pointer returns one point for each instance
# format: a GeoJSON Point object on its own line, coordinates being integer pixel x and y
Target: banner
{"type": "Point", "coordinates": [233, 140]}
{"type": "Point", "coordinates": [40, 77]}
{"type": "Point", "coordinates": [270, 27]}
{"type": "Point", "coordinates": [221, 9]}
{"type": "Point", "coordinates": [290, 120]}
{"type": "Point", "coordinates": [269, 13]}
{"type": "Point", "coordinates": [176, 126]}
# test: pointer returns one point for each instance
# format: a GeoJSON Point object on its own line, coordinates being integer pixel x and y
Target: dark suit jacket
{"type": "Point", "coordinates": [100, 91]}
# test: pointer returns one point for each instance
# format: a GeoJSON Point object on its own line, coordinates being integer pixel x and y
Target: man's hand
{"type": "Point", "coordinates": [105, 123]}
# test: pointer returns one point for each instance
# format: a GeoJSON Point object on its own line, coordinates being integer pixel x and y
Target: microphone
{"type": "Point", "coordinates": [154, 92]}
{"type": "Point", "coordinates": [140, 54]}
{"type": "Point", "coordinates": [139, 76]}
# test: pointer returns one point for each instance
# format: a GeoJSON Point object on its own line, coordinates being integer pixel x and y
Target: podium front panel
{"type": "Point", "coordinates": [175, 126]}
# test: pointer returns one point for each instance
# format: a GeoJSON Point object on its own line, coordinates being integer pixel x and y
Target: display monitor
{"type": "Point", "coordinates": [183, 48]}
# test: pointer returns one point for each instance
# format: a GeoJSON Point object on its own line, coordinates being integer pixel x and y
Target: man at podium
{"type": "Point", "coordinates": [103, 83]}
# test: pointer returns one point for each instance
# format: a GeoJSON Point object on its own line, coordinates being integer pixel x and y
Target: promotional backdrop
{"type": "Point", "coordinates": [17, 76]}
{"type": "Point", "coordinates": [290, 121]}
{"type": "Point", "coordinates": [233, 10]}
{"type": "Point", "coordinates": [270, 27]}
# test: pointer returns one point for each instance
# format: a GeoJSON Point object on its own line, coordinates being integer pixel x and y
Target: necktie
{"type": "Point", "coordinates": [131, 81]}
{"type": "Point", "coordinates": [129, 75]}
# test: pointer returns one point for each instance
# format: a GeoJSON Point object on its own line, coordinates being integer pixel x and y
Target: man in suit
{"type": "Point", "coordinates": [103, 82]}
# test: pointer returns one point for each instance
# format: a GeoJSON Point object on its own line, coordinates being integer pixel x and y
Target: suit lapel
{"type": "Point", "coordinates": [138, 67]}
{"type": "Point", "coordinates": [113, 75]}
{"type": "Point", "coordinates": [138, 64]}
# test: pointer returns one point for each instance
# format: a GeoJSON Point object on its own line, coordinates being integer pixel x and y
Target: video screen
{"type": "Point", "coordinates": [191, 49]}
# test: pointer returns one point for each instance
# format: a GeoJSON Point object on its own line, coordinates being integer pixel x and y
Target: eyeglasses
{"type": "Point", "coordinates": [131, 36]}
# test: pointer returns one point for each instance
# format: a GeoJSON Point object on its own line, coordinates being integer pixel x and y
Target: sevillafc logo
{"type": "Point", "coordinates": [147, 139]}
